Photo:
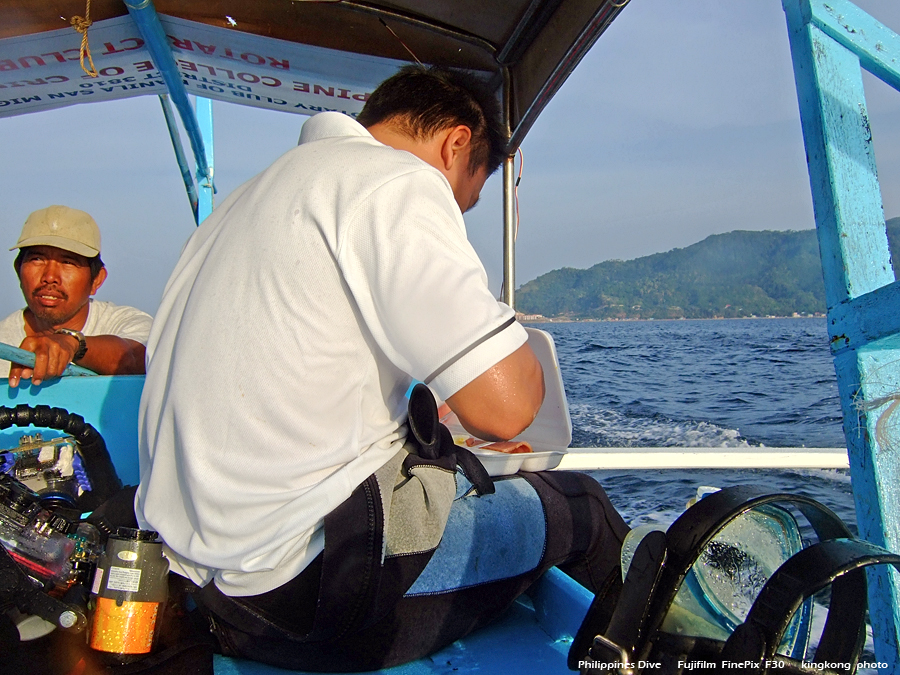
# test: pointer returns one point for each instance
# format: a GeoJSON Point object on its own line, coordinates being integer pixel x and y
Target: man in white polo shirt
{"type": "Point", "coordinates": [276, 461]}
{"type": "Point", "coordinates": [59, 269]}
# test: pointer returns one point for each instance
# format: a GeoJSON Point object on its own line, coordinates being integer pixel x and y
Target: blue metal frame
{"type": "Point", "coordinates": [205, 181]}
{"type": "Point", "coordinates": [830, 41]}
{"type": "Point", "coordinates": [180, 157]}
{"type": "Point", "coordinates": [147, 21]}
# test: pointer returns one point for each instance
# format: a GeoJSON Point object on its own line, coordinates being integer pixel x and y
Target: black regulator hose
{"type": "Point", "coordinates": [96, 460]}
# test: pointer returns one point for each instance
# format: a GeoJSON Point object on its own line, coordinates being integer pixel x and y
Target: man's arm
{"type": "Point", "coordinates": [106, 355]}
{"type": "Point", "coordinates": [501, 402]}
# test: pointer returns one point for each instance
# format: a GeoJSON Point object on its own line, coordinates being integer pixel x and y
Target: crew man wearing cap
{"type": "Point", "coordinates": [59, 269]}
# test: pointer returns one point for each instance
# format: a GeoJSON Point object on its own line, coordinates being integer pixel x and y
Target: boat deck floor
{"type": "Point", "coordinates": [532, 637]}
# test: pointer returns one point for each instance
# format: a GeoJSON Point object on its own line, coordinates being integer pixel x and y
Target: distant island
{"type": "Point", "coordinates": [736, 274]}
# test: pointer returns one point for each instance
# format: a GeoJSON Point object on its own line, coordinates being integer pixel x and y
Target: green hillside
{"type": "Point", "coordinates": [735, 274]}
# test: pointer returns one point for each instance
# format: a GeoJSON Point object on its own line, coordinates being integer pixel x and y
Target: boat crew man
{"type": "Point", "coordinates": [276, 461]}
{"type": "Point", "coordinates": [59, 269]}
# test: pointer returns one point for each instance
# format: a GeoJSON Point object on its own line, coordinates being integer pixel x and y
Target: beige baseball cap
{"type": "Point", "coordinates": [62, 227]}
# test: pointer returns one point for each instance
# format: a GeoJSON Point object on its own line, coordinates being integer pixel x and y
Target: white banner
{"type": "Point", "coordinates": [42, 71]}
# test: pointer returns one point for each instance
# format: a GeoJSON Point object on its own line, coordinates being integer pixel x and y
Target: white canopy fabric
{"type": "Point", "coordinates": [294, 55]}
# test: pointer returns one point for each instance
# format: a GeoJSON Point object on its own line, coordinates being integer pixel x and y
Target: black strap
{"type": "Point", "coordinates": [839, 562]}
{"type": "Point", "coordinates": [630, 616]}
{"type": "Point", "coordinates": [596, 620]}
{"type": "Point", "coordinates": [98, 466]}
{"type": "Point", "coordinates": [435, 440]}
{"type": "Point", "coordinates": [471, 466]}
{"type": "Point", "coordinates": [115, 512]}
{"type": "Point", "coordinates": [696, 527]}
{"type": "Point", "coordinates": [648, 595]}
{"type": "Point", "coordinates": [424, 423]}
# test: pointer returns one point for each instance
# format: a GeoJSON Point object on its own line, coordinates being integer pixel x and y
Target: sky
{"type": "Point", "coordinates": [680, 123]}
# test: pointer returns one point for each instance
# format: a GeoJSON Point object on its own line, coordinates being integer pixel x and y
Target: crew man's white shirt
{"type": "Point", "coordinates": [285, 342]}
{"type": "Point", "coordinates": [104, 318]}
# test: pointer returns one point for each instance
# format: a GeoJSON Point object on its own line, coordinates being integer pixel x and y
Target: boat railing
{"type": "Point", "coordinates": [746, 457]}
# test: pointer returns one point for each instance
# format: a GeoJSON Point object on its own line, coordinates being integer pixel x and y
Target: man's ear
{"type": "Point", "coordinates": [455, 143]}
{"type": "Point", "coordinates": [98, 280]}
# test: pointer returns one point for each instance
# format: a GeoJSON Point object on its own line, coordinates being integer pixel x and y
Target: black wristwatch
{"type": "Point", "coordinates": [78, 335]}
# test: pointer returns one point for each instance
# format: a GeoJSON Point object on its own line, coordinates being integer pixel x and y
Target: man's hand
{"type": "Point", "coordinates": [501, 402]}
{"type": "Point", "coordinates": [52, 353]}
{"type": "Point", "coordinates": [106, 355]}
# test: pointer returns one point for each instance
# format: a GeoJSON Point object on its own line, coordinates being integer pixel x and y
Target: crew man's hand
{"type": "Point", "coordinates": [52, 353]}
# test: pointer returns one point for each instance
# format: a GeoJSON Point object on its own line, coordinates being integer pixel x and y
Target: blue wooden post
{"type": "Point", "coordinates": [205, 182]}
{"type": "Point", "coordinates": [830, 40]}
{"type": "Point", "coordinates": [189, 185]}
{"type": "Point", "coordinates": [147, 22]}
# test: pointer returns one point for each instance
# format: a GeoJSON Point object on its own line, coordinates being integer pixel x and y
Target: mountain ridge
{"type": "Point", "coordinates": [736, 274]}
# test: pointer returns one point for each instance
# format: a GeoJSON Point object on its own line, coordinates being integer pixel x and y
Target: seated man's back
{"type": "Point", "coordinates": [276, 458]}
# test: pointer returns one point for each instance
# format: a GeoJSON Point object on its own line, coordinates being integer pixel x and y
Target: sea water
{"type": "Point", "coordinates": [700, 383]}
{"type": "Point", "coordinates": [712, 383]}
{"type": "Point", "coordinates": [718, 383]}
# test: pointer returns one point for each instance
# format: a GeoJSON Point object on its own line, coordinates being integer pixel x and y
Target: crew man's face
{"type": "Point", "coordinates": [56, 283]}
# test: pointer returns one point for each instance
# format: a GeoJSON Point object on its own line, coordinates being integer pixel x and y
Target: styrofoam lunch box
{"type": "Point", "coordinates": [550, 433]}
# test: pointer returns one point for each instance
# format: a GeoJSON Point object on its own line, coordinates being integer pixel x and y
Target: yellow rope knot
{"type": "Point", "coordinates": [81, 24]}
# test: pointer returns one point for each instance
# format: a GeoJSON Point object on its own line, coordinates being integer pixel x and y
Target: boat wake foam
{"type": "Point", "coordinates": [606, 428]}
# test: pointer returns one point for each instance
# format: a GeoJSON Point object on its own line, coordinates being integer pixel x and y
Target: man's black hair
{"type": "Point", "coordinates": [423, 101]}
{"type": "Point", "coordinates": [95, 263]}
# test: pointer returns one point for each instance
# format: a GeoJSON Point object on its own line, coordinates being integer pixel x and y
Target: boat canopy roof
{"type": "Point", "coordinates": [293, 55]}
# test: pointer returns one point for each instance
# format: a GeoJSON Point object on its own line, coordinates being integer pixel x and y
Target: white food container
{"type": "Point", "coordinates": [550, 433]}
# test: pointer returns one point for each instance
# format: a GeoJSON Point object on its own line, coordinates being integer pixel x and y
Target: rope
{"type": "Point", "coordinates": [885, 426]}
{"type": "Point", "coordinates": [391, 31]}
{"type": "Point", "coordinates": [81, 24]}
{"type": "Point", "coordinates": [516, 190]}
